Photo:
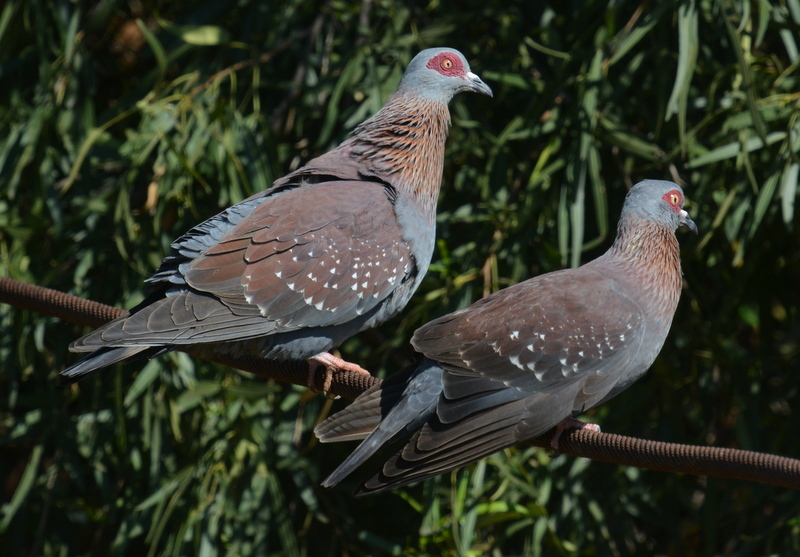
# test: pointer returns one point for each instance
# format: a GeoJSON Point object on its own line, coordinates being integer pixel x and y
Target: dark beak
{"type": "Point", "coordinates": [687, 221]}
{"type": "Point", "coordinates": [477, 85]}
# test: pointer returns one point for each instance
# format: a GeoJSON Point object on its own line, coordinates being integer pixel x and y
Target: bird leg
{"type": "Point", "coordinates": [332, 364]}
{"type": "Point", "coordinates": [570, 423]}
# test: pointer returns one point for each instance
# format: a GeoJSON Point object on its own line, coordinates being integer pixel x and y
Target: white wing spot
{"type": "Point", "coordinates": [514, 335]}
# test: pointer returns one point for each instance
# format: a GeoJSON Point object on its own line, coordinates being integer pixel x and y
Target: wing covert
{"type": "Point", "coordinates": [301, 263]}
{"type": "Point", "coordinates": [533, 338]}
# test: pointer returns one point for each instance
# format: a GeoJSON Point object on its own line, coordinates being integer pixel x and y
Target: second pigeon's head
{"type": "Point", "coordinates": [439, 74]}
{"type": "Point", "coordinates": [657, 201]}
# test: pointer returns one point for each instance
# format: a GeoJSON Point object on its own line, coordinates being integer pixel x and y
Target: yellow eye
{"type": "Point", "coordinates": [447, 64]}
{"type": "Point", "coordinates": [674, 199]}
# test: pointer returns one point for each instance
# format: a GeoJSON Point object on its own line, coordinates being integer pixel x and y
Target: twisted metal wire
{"type": "Point", "coordinates": [606, 447]}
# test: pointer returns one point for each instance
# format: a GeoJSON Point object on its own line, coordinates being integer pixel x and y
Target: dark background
{"type": "Point", "coordinates": [123, 124]}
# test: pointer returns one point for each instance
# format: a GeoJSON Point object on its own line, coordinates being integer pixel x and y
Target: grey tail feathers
{"type": "Point", "coordinates": [408, 400]}
{"type": "Point", "coordinates": [104, 357]}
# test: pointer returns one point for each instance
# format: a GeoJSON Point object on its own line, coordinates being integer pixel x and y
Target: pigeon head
{"type": "Point", "coordinates": [657, 201]}
{"type": "Point", "coordinates": [439, 74]}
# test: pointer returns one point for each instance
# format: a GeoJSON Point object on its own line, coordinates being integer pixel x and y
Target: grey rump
{"type": "Point", "coordinates": [333, 248]}
{"type": "Point", "coordinates": [516, 363]}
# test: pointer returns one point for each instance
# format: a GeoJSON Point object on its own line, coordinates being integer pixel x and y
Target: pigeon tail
{"type": "Point", "coordinates": [408, 400]}
{"type": "Point", "coordinates": [104, 357]}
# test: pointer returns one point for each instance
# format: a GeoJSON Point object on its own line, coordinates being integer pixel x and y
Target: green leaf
{"type": "Point", "coordinates": [688, 46]}
{"type": "Point", "coordinates": [732, 150]}
{"type": "Point", "coordinates": [203, 35]}
{"type": "Point", "coordinates": [633, 37]}
{"type": "Point", "coordinates": [194, 396]}
{"type": "Point", "coordinates": [748, 85]}
{"type": "Point", "coordinates": [790, 182]}
{"type": "Point", "coordinates": [9, 510]}
{"type": "Point", "coordinates": [145, 378]}
{"type": "Point", "coordinates": [155, 46]}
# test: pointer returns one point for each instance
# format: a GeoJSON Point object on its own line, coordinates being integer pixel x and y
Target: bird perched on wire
{"type": "Point", "coordinates": [520, 361]}
{"type": "Point", "coordinates": [335, 247]}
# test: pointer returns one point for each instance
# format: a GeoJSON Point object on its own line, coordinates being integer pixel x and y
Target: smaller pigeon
{"type": "Point", "coordinates": [520, 361]}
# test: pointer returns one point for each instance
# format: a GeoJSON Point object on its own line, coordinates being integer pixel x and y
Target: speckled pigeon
{"type": "Point", "coordinates": [516, 363]}
{"type": "Point", "coordinates": [333, 248]}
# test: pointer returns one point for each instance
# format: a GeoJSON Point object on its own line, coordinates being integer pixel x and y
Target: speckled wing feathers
{"type": "Point", "coordinates": [327, 264]}
{"type": "Point", "coordinates": [543, 339]}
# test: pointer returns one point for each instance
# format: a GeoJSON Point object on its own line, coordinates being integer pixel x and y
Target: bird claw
{"type": "Point", "coordinates": [332, 364]}
{"type": "Point", "coordinates": [570, 423]}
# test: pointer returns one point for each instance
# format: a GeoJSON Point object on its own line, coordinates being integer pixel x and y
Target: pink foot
{"type": "Point", "coordinates": [570, 423]}
{"type": "Point", "coordinates": [332, 365]}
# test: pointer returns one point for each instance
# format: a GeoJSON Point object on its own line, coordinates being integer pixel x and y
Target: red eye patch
{"type": "Point", "coordinates": [447, 64]}
{"type": "Point", "coordinates": [674, 198]}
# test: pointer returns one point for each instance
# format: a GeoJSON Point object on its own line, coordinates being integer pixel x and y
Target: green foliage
{"type": "Point", "coordinates": [124, 124]}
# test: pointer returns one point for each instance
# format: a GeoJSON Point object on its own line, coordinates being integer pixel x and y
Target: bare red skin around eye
{"type": "Point", "coordinates": [456, 70]}
{"type": "Point", "coordinates": [668, 198]}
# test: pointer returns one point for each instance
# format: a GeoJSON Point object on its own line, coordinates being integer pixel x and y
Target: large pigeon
{"type": "Point", "coordinates": [520, 361]}
{"type": "Point", "coordinates": [333, 248]}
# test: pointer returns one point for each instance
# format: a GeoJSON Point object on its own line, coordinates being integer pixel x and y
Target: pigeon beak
{"type": "Point", "coordinates": [687, 221]}
{"type": "Point", "coordinates": [476, 84]}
